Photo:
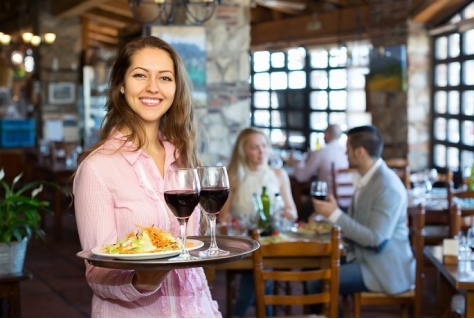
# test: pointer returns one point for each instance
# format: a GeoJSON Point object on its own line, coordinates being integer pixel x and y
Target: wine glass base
{"type": "Point", "coordinates": [186, 257]}
{"type": "Point", "coordinates": [213, 253]}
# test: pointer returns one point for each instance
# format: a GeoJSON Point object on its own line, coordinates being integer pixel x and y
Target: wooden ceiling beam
{"type": "Point", "coordinates": [118, 7]}
{"type": "Point", "coordinates": [102, 38]}
{"type": "Point", "coordinates": [432, 11]}
{"type": "Point", "coordinates": [343, 21]}
{"type": "Point", "coordinates": [108, 18]}
{"type": "Point", "coordinates": [70, 8]}
{"type": "Point", "coordinates": [103, 29]}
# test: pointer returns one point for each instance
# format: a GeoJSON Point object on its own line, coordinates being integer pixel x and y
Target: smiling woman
{"type": "Point", "coordinates": [119, 183]}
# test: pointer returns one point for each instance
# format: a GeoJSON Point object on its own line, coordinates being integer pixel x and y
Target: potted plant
{"type": "Point", "coordinates": [20, 219]}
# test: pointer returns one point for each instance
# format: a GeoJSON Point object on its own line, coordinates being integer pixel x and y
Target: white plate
{"type": "Point", "coordinates": [192, 244]}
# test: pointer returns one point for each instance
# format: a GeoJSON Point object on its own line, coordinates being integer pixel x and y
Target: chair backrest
{"type": "Point", "coordinates": [342, 185]}
{"type": "Point", "coordinates": [462, 210]}
{"type": "Point", "coordinates": [402, 168]}
{"type": "Point", "coordinates": [418, 242]}
{"type": "Point", "coordinates": [287, 270]}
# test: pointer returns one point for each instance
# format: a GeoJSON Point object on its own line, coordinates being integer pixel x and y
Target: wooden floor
{"type": "Point", "coordinates": [58, 288]}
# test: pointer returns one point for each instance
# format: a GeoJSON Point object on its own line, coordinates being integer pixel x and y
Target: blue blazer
{"type": "Point", "coordinates": [378, 234]}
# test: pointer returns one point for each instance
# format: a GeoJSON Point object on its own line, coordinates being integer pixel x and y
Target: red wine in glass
{"type": "Point", "coordinates": [181, 193]}
{"type": "Point", "coordinates": [213, 198]}
{"type": "Point", "coordinates": [318, 190]}
{"type": "Point", "coordinates": [214, 192]}
{"type": "Point", "coordinates": [319, 195]}
{"type": "Point", "coordinates": [182, 203]}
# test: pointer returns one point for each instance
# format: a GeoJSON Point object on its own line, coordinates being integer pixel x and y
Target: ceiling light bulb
{"type": "Point", "coordinates": [6, 39]}
{"type": "Point", "coordinates": [26, 36]}
{"type": "Point", "coordinates": [49, 37]}
{"type": "Point", "coordinates": [35, 40]}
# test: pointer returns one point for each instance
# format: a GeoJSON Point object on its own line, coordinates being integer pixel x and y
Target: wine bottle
{"type": "Point", "coordinates": [264, 223]}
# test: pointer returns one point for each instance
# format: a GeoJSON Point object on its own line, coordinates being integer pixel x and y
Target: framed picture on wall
{"type": "Point", "coordinates": [61, 92]}
{"type": "Point", "coordinates": [190, 43]}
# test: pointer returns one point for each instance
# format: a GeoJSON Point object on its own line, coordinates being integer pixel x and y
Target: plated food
{"type": "Point", "coordinates": [313, 227]}
{"type": "Point", "coordinates": [146, 243]}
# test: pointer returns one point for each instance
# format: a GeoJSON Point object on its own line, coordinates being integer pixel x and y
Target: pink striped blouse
{"type": "Point", "coordinates": [114, 191]}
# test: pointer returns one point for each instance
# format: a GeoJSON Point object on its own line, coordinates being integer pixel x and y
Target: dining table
{"type": "Point", "coordinates": [452, 279]}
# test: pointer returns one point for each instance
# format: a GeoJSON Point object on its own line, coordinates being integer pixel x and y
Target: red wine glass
{"type": "Point", "coordinates": [319, 190]}
{"type": "Point", "coordinates": [214, 192]}
{"type": "Point", "coordinates": [182, 196]}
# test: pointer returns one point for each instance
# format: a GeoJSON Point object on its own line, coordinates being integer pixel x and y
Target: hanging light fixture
{"type": "Point", "coordinates": [35, 40]}
{"type": "Point", "coordinates": [164, 11]}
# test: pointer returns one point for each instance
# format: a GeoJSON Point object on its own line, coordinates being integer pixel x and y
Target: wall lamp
{"type": "Point", "coordinates": [164, 11]}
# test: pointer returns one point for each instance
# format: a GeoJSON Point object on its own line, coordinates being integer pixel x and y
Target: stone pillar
{"type": "Point", "coordinates": [228, 71]}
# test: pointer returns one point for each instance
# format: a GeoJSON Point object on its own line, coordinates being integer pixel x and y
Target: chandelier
{"type": "Point", "coordinates": [164, 11]}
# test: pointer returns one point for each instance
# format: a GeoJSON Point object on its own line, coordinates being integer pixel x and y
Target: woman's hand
{"type": "Point", "coordinates": [148, 280]}
{"type": "Point", "coordinates": [325, 207]}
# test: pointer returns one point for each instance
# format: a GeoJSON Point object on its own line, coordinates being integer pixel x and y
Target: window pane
{"type": "Point", "coordinates": [262, 118]}
{"type": "Point", "coordinates": [439, 155]}
{"type": "Point", "coordinates": [278, 119]}
{"type": "Point", "coordinates": [296, 58]}
{"type": "Point", "coordinates": [469, 11]}
{"type": "Point", "coordinates": [453, 158]}
{"type": "Point", "coordinates": [454, 73]}
{"type": "Point", "coordinates": [296, 99]}
{"type": "Point", "coordinates": [469, 42]}
{"type": "Point", "coordinates": [468, 103]}
{"type": "Point", "coordinates": [441, 48]}
{"type": "Point", "coordinates": [440, 102]}
{"type": "Point", "coordinates": [356, 101]}
{"type": "Point", "coordinates": [454, 45]}
{"type": "Point", "coordinates": [440, 129]}
{"type": "Point", "coordinates": [319, 100]}
{"type": "Point", "coordinates": [278, 137]}
{"type": "Point", "coordinates": [296, 139]}
{"type": "Point", "coordinates": [338, 79]}
{"type": "Point", "coordinates": [297, 80]}
{"type": "Point", "coordinates": [468, 66]}
{"type": "Point", "coordinates": [319, 59]}
{"type": "Point", "coordinates": [313, 137]}
{"type": "Point", "coordinates": [319, 80]}
{"type": "Point", "coordinates": [278, 99]}
{"type": "Point", "coordinates": [337, 100]}
{"type": "Point", "coordinates": [261, 99]}
{"type": "Point", "coordinates": [467, 158]}
{"type": "Point", "coordinates": [440, 74]}
{"type": "Point", "coordinates": [453, 104]}
{"type": "Point", "coordinates": [261, 61]}
{"type": "Point", "coordinates": [338, 57]}
{"type": "Point", "coordinates": [453, 131]}
{"type": "Point", "coordinates": [356, 78]}
{"type": "Point", "coordinates": [338, 118]}
{"type": "Point", "coordinates": [319, 121]}
{"type": "Point", "coordinates": [261, 81]}
{"type": "Point", "coordinates": [278, 59]}
{"type": "Point", "coordinates": [296, 120]}
{"type": "Point", "coordinates": [279, 80]}
{"type": "Point", "coordinates": [468, 133]}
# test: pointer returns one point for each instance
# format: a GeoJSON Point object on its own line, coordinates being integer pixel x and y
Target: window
{"type": "Point", "coordinates": [298, 92]}
{"type": "Point", "coordinates": [453, 95]}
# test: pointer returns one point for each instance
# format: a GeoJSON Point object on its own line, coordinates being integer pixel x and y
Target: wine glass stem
{"type": "Point", "coordinates": [182, 227]}
{"type": "Point", "coordinates": [213, 245]}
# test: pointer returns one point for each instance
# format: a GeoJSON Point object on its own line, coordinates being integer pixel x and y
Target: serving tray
{"type": "Point", "coordinates": [239, 247]}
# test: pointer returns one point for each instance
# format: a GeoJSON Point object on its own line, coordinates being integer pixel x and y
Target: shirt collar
{"type": "Point", "coordinates": [360, 181]}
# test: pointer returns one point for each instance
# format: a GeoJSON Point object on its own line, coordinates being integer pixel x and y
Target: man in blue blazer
{"type": "Point", "coordinates": [379, 257]}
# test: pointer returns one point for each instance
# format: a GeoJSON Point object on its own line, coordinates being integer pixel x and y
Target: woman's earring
{"type": "Point", "coordinates": [122, 90]}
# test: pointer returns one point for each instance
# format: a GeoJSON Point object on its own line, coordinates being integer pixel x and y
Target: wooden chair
{"type": "Point", "coordinates": [462, 210]}
{"type": "Point", "coordinates": [342, 185]}
{"type": "Point", "coordinates": [293, 272]}
{"type": "Point", "coordinates": [412, 297]}
{"type": "Point", "coordinates": [402, 168]}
